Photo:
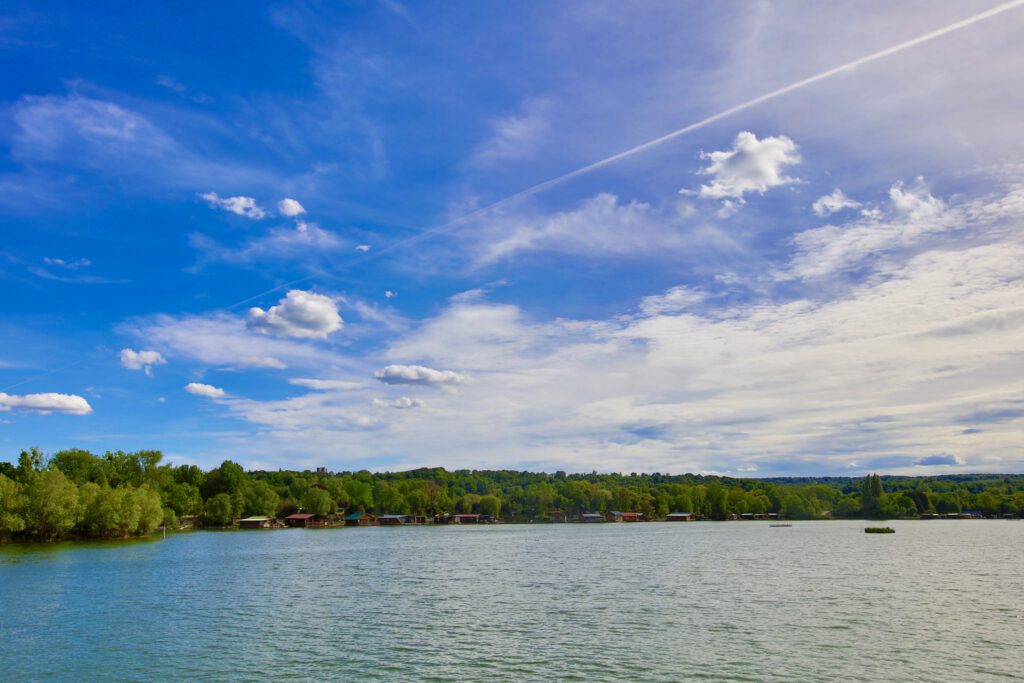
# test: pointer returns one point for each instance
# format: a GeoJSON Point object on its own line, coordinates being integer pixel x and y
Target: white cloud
{"type": "Point", "coordinates": [915, 202]}
{"type": "Point", "coordinates": [298, 314]}
{"type": "Point", "coordinates": [240, 206]}
{"type": "Point", "coordinates": [279, 244]}
{"type": "Point", "coordinates": [206, 390]}
{"type": "Point", "coordinates": [515, 137]}
{"type": "Point", "coordinates": [71, 404]}
{"type": "Point", "coordinates": [833, 203]}
{"type": "Point", "coordinates": [751, 165]}
{"type": "Point", "coordinates": [673, 301]}
{"type": "Point", "coordinates": [141, 360]}
{"type": "Point", "coordinates": [327, 384]}
{"type": "Point", "coordinates": [363, 247]}
{"type": "Point", "coordinates": [600, 226]}
{"type": "Point", "coordinates": [418, 374]}
{"type": "Point", "coordinates": [70, 265]}
{"type": "Point", "coordinates": [400, 403]}
{"type": "Point", "coordinates": [224, 340]}
{"type": "Point", "coordinates": [388, 294]}
{"type": "Point", "coordinates": [290, 208]}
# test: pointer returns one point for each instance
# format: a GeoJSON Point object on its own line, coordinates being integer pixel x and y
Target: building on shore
{"type": "Point", "coordinates": [257, 523]}
{"type": "Point", "coordinates": [680, 517]}
{"type": "Point", "coordinates": [616, 516]}
{"type": "Point", "coordinates": [558, 516]}
{"type": "Point", "coordinates": [592, 517]}
{"type": "Point", "coordinates": [392, 520]}
{"type": "Point", "coordinates": [305, 519]}
{"type": "Point", "coordinates": [466, 519]}
{"type": "Point", "coordinates": [360, 519]}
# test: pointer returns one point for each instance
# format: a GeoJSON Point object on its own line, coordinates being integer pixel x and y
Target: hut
{"type": "Point", "coordinates": [392, 520]}
{"type": "Point", "coordinates": [558, 516]}
{"type": "Point", "coordinates": [680, 517]}
{"type": "Point", "coordinates": [304, 519]}
{"type": "Point", "coordinates": [360, 519]}
{"type": "Point", "coordinates": [616, 516]}
{"type": "Point", "coordinates": [466, 519]}
{"type": "Point", "coordinates": [256, 523]}
{"type": "Point", "coordinates": [592, 517]}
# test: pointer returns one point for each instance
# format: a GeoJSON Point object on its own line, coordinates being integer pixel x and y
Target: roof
{"type": "Point", "coordinates": [255, 519]}
{"type": "Point", "coordinates": [680, 514]}
{"type": "Point", "coordinates": [392, 516]}
{"type": "Point", "coordinates": [355, 515]}
{"type": "Point", "coordinates": [301, 515]}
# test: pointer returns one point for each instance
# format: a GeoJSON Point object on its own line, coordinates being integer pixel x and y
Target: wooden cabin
{"type": "Point", "coordinates": [465, 519]}
{"type": "Point", "coordinates": [616, 516]}
{"type": "Point", "coordinates": [392, 520]}
{"type": "Point", "coordinates": [305, 519]}
{"type": "Point", "coordinates": [257, 523]}
{"type": "Point", "coordinates": [360, 519]}
{"type": "Point", "coordinates": [680, 517]}
{"type": "Point", "coordinates": [558, 516]}
{"type": "Point", "coordinates": [592, 517]}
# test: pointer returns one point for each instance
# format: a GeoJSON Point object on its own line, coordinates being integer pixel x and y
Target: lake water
{"type": "Point", "coordinates": [821, 601]}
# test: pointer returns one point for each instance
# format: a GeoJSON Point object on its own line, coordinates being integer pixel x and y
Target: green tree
{"type": "Point", "coordinates": [489, 505]}
{"type": "Point", "coordinates": [11, 503]}
{"type": "Point", "coordinates": [51, 505]}
{"type": "Point", "coordinates": [258, 498]}
{"type": "Point", "coordinates": [219, 510]}
{"type": "Point", "coordinates": [318, 502]}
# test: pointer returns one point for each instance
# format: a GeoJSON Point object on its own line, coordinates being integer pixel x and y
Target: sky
{"type": "Point", "coordinates": [387, 235]}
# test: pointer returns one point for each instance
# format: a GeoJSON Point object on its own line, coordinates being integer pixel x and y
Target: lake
{"type": "Point", "coordinates": [741, 601]}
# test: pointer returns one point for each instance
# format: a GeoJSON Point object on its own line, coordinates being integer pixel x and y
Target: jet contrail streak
{"type": "Point", "coordinates": [554, 182]}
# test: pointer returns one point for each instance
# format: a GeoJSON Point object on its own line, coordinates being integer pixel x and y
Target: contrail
{"type": "Point", "coordinates": [607, 161]}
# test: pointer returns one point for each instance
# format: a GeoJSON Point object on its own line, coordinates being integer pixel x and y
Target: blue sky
{"type": "Point", "coordinates": [282, 234]}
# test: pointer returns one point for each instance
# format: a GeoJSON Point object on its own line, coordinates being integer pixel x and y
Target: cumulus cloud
{"type": "Point", "coordinates": [388, 294]}
{"type": "Point", "coordinates": [419, 375]}
{"type": "Point", "coordinates": [141, 360]}
{"type": "Point", "coordinates": [207, 390]}
{"type": "Point", "coordinates": [400, 403]}
{"type": "Point", "coordinates": [299, 314]}
{"type": "Point", "coordinates": [240, 206]}
{"type": "Point", "coordinates": [751, 165]}
{"type": "Point", "coordinates": [833, 203]}
{"type": "Point", "coordinates": [290, 208]}
{"type": "Point", "coordinates": [916, 202]}
{"type": "Point", "coordinates": [71, 404]}
{"type": "Point", "coordinates": [674, 300]}
{"type": "Point", "coordinates": [363, 247]}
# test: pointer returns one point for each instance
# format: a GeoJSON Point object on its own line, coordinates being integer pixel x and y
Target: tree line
{"type": "Point", "coordinates": [75, 493]}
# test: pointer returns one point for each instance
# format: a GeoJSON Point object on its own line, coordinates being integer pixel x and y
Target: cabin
{"type": "Point", "coordinates": [392, 520]}
{"type": "Point", "coordinates": [443, 519]}
{"type": "Point", "coordinates": [680, 517]}
{"type": "Point", "coordinates": [304, 519]}
{"type": "Point", "coordinates": [487, 519]}
{"type": "Point", "coordinates": [466, 519]}
{"type": "Point", "coordinates": [592, 517]}
{"type": "Point", "coordinates": [616, 516]}
{"type": "Point", "coordinates": [416, 519]}
{"type": "Point", "coordinates": [257, 523]}
{"type": "Point", "coordinates": [360, 519]}
{"type": "Point", "coordinates": [558, 516]}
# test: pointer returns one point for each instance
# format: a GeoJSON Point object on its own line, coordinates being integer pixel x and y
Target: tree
{"type": "Point", "coordinates": [11, 502]}
{"type": "Point", "coordinates": [219, 510]}
{"type": "Point", "coordinates": [489, 505]}
{"type": "Point", "coordinates": [51, 505]}
{"type": "Point", "coordinates": [318, 502]}
{"type": "Point", "coordinates": [259, 499]}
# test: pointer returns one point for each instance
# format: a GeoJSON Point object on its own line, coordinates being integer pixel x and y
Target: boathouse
{"type": "Point", "coordinates": [592, 517]}
{"type": "Point", "coordinates": [680, 517]}
{"type": "Point", "coordinates": [256, 523]}
{"type": "Point", "coordinates": [360, 519]}
{"type": "Point", "coordinates": [616, 516]}
{"type": "Point", "coordinates": [466, 519]}
{"type": "Point", "coordinates": [557, 516]}
{"type": "Point", "coordinates": [392, 520]}
{"type": "Point", "coordinates": [304, 519]}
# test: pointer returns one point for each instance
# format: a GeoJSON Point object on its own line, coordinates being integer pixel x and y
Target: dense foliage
{"type": "Point", "coordinates": [79, 494]}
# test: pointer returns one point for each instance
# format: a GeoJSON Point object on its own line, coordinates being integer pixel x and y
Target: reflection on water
{"type": "Point", "coordinates": [716, 601]}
